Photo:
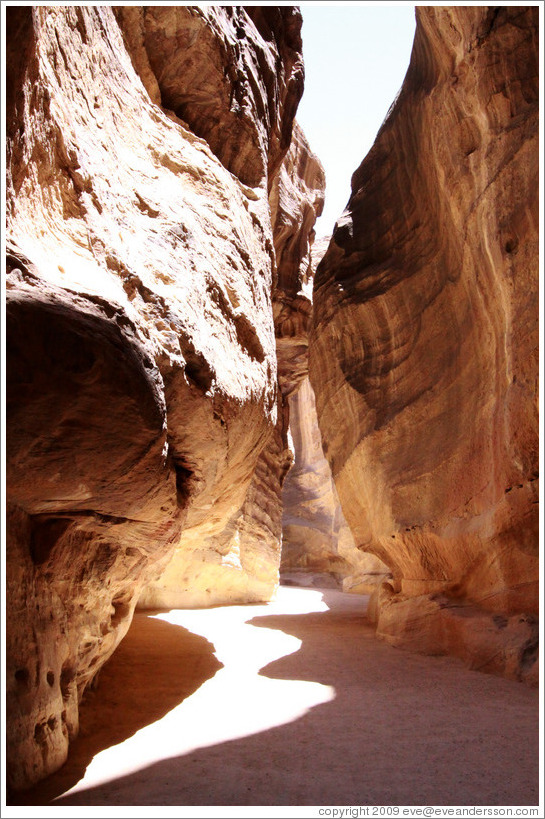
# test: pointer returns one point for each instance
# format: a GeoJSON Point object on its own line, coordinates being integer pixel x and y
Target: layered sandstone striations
{"type": "Point", "coordinates": [142, 376]}
{"type": "Point", "coordinates": [296, 200]}
{"type": "Point", "coordinates": [424, 347]}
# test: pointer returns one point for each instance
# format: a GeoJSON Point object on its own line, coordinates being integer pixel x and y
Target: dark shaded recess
{"type": "Point", "coordinates": [76, 385]}
{"type": "Point", "coordinates": [530, 650]}
{"type": "Point", "coordinates": [20, 43]}
{"type": "Point", "coordinates": [184, 477]}
{"type": "Point", "coordinates": [57, 344]}
{"type": "Point", "coordinates": [197, 368]}
{"type": "Point", "coordinates": [22, 678]}
{"type": "Point", "coordinates": [43, 537]}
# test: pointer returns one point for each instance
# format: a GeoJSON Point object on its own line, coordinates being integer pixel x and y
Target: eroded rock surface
{"type": "Point", "coordinates": [316, 540]}
{"type": "Point", "coordinates": [317, 543]}
{"type": "Point", "coordinates": [239, 563]}
{"type": "Point", "coordinates": [142, 378]}
{"type": "Point", "coordinates": [424, 348]}
{"type": "Point", "coordinates": [296, 199]}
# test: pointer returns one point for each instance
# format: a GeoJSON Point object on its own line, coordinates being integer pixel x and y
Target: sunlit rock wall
{"type": "Point", "coordinates": [424, 346]}
{"type": "Point", "coordinates": [240, 562]}
{"type": "Point", "coordinates": [142, 375]}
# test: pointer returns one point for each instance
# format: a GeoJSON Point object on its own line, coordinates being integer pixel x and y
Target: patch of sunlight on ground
{"type": "Point", "coordinates": [237, 701]}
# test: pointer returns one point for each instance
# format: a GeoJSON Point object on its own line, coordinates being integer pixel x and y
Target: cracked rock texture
{"type": "Point", "coordinates": [142, 395]}
{"type": "Point", "coordinates": [424, 345]}
{"type": "Point", "coordinates": [239, 563]}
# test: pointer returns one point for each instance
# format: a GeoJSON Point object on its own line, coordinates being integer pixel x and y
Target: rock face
{"type": "Point", "coordinates": [424, 346]}
{"type": "Point", "coordinates": [143, 403]}
{"type": "Point", "coordinates": [316, 539]}
{"type": "Point", "coordinates": [239, 563]}
{"type": "Point", "coordinates": [297, 199]}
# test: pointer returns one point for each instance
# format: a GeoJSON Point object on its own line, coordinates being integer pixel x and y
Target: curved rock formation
{"type": "Point", "coordinates": [240, 563]}
{"type": "Point", "coordinates": [234, 74]}
{"type": "Point", "coordinates": [142, 380]}
{"type": "Point", "coordinates": [297, 200]}
{"type": "Point", "coordinates": [424, 347]}
{"type": "Point", "coordinates": [316, 540]}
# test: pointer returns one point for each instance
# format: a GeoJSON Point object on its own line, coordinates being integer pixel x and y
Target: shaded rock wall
{"type": "Point", "coordinates": [296, 199]}
{"type": "Point", "coordinates": [315, 536]}
{"type": "Point", "coordinates": [424, 346]}
{"type": "Point", "coordinates": [142, 376]}
{"type": "Point", "coordinates": [316, 539]}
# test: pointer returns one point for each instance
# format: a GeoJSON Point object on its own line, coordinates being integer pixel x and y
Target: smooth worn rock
{"type": "Point", "coordinates": [316, 539]}
{"type": "Point", "coordinates": [424, 346]}
{"type": "Point", "coordinates": [142, 377]}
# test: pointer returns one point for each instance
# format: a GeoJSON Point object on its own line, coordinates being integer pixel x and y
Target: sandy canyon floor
{"type": "Point", "coordinates": [293, 703]}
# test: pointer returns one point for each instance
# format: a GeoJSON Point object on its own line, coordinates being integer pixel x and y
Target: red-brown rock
{"type": "Point", "coordinates": [142, 379]}
{"type": "Point", "coordinates": [424, 349]}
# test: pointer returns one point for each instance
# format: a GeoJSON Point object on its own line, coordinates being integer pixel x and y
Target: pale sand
{"type": "Point", "coordinates": [303, 706]}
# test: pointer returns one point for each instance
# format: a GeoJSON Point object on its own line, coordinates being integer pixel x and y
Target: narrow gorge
{"type": "Point", "coordinates": [203, 402]}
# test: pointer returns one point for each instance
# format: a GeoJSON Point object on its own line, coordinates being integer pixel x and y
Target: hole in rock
{"type": "Point", "coordinates": [44, 535]}
{"type": "Point", "coordinates": [155, 668]}
{"type": "Point", "coordinates": [121, 612]}
{"type": "Point", "coordinates": [184, 477]}
{"type": "Point", "coordinates": [68, 675]}
{"type": "Point", "coordinates": [22, 677]}
{"type": "Point", "coordinates": [40, 735]}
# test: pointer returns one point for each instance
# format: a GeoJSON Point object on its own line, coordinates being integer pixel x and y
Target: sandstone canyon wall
{"type": "Point", "coordinates": [240, 562]}
{"type": "Point", "coordinates": [424, 345]}
{"type": "Point", "coordinates": [143, 406]}
{"type": "Point", "coordinates": [317, 543]}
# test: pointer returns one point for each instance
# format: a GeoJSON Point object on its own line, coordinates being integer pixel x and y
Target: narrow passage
{"type": "Point", "coordinates": [294, 703]}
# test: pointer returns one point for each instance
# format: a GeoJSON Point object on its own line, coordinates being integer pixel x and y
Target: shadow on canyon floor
{"type": "Point", "coordinates": [156, 666]}
{"type": "Point", "coordinates": [402, 729]}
